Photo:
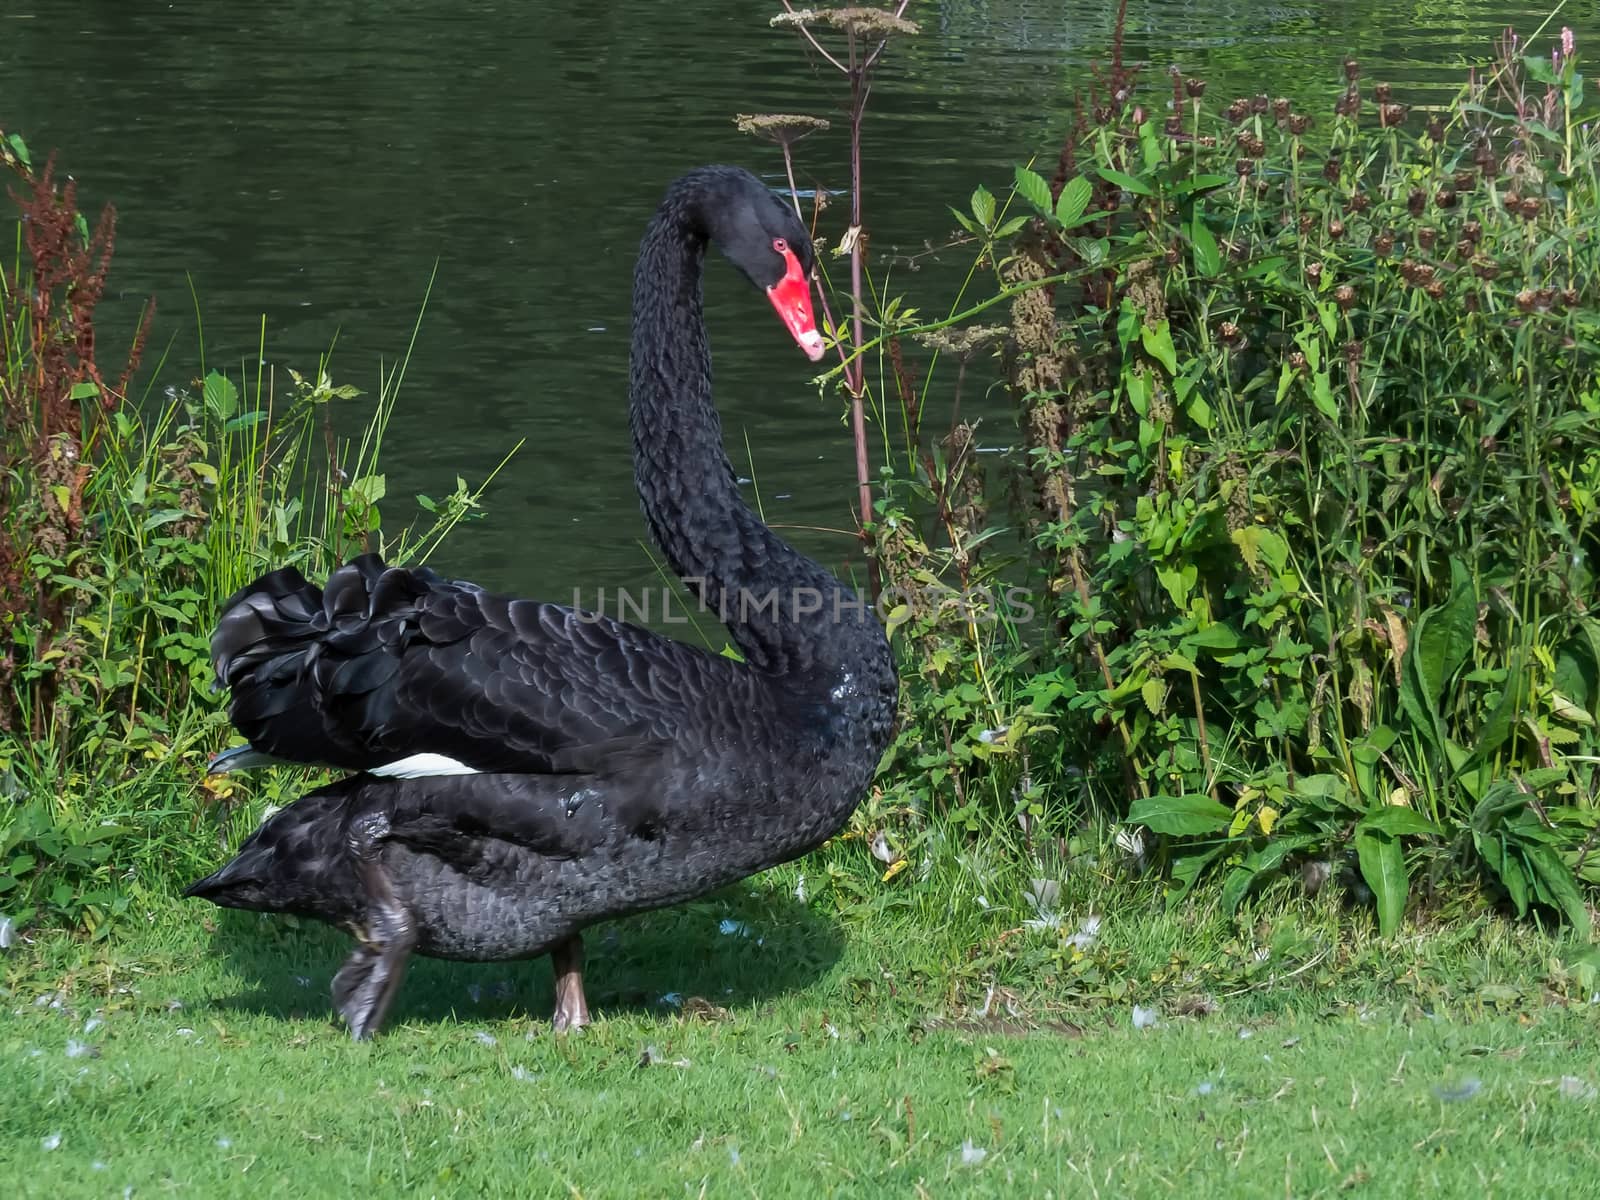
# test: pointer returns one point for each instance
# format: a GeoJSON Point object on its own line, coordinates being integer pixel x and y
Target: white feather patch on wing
{"type": "Point", "coordinates": [420, 766]}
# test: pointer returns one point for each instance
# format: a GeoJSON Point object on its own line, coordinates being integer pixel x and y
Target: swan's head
{"type": "Point", "coordinates": [761, 235]}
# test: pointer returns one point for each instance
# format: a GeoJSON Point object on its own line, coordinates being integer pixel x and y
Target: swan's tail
{"type": "Point", "coordinates": [295, 863]}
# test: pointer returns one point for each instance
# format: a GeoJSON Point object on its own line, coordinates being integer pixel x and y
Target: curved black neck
{"type": "Point", "coordinates": [782, 609]}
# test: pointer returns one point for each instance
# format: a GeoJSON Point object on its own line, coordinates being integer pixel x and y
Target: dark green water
{"type": "Point", "coordinates": [308, 163]}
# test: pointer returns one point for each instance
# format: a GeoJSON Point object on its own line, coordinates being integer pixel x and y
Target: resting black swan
{"type": "Point", "coordinates": [525, 770]}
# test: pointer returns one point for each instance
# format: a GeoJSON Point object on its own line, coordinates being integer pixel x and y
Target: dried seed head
{"type": "Point", "coordinates": [1259, 103]}
{"type": "Point", "coordinates": [1485, 268]}
{"type": "Point", "coordinates": [1464, 248]}
{"type": "Point", "coordinates": [1530, 207]}
{"type": "Point", "coordinates": [1468, 404]}
{"type": "Point", "coordinates": [1349, 104]}
{"type": "Point", "coordinates": [1512, 201]}
{"type": "Point", "coordinates": [1314, 272]}
{"type": "Point", "coordinates": [1336, 229]}
{"type": "Point", "coordinates": [1195, 87]}
{"type": "Point", "coordinates": [1297, 360]}
{"type": "Point", "coordinates": [1171, 257]}
{"type": "Point", "coordinates": [1416, 202]}
{"type": "Point", "coordinates": [1352, 70]}
{"type": "Point", "coordinates": [1472, 303]}
{"type": "Point", "coordinates": [1380, 93]}
{"type": "Point", "coordinates": [1243, 167]}
{"type": "Point", "coordinates": [1280, 108]}
{"type": "Point", "coordinates": [1569, 297]}
{"type": "Point", "coordinates": [1344, 296]}
{"type": "Point", "coordinates": [1228, 332]}
{"type": "Point", "coordinates": [1360, 202]}
{"type": "Point", "coordinates": [1527, 299]}
{"type": "Point", "coordinates": [1174, 125]}
{"type": "Point", "coordinates": [1545, 299]}
{"type": "Point", "coordinates": [1426, 236]}
{"type": "Point", "coordinates": [1330, 170]}
{"type": "Point", "coordinates": [1472, 231]}
{"type": "Point", "coordinates": [1435, 289]}
{"type": "Point", "coordinates": [1383, 244]}
{"type": "Point", "coordinates": [1464, 181]}
{"type": "Point", "coordinates": [1307, 222]}
{"type": "Point", "coordinates": [1392, 116]}
{"type": "Point", "coordinates": [1445, 197]}
{"type": "Point", "coordinates": [1238, 110]}
{"type": "Point", "coordinates": [1352, 352]}
{"type": "Point", "coordinates": [1262, 187]}
{"type": "Point", "coordinates": [1299, 123]}
{"type": "Point", "coordinates": [1487, 443]}
{"type": "Point", "coordinates": [1436, 130]}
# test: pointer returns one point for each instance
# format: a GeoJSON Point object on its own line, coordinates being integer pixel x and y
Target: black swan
{"type": "Point", "coordinates": [524, 770]}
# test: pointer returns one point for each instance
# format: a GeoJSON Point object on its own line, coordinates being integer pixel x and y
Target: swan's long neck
{"type": "Point", "coordinates": [783, 610]}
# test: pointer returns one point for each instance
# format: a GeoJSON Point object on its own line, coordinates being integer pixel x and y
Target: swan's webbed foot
{"type": "Point", "coordinates": [367, 983]}
{"type": "Point", "coordinates": [572, 1010]}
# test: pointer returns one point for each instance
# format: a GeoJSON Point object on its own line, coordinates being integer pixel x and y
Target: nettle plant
{"type": "Point", "coordinates": [1313, 442]}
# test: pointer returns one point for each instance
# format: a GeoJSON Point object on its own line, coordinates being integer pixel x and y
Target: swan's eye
{"type": "Point", "coordinates": [781, 246]}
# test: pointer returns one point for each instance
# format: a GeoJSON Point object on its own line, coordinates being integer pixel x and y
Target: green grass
{"type": "Point", "coordinates": [811, 1054]}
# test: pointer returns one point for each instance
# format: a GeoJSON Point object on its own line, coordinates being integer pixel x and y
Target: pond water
{"type": "Point", "coordinates": [305, 164]}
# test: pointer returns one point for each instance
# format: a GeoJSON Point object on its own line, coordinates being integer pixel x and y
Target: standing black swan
{"type": "Point", "coordinates": [525, 770]}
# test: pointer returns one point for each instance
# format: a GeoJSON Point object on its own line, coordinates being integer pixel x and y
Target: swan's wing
{"type": "Point", "coordinates": [396, 670]}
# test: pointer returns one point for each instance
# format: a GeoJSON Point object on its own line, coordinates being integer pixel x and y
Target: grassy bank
{"type": "Point", "coordinates": [795, 1057]}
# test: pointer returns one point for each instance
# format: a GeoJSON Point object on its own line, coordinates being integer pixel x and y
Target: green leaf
{"type": "Point", "coordinates": [1559, 883]}
{"type": "Point", "coordinates": [963, 220]}
{"type": "Point", "coordinates": [86, 390]}
{"type": "Point", "coordinates": [20, 149]}
{"type": "Point", "coordinates": [1444, 636]}
{"type": "Point", "coordinates": [1383, 866]}
{"type": "Point", "coordinates": [1126, 182]}
{"type": "Point", "coordinates": [1010, 228]}
{"type": "Point", "coordinates": [1032, 188]}
{"type": "Point", "coordinates": [1186, 869]}
{"type": "Point", "coordinates": [1074, 201]}
{"type": "Point", "coordinates": [1396, 820]}
{"type": "Point", "coordinates": [1256, 865]}
{"type": "Point", "coordinates": [1158, 344]}
{"type": "Point", "coordinates": [1322, 395]}
{"type": "Point", "coordinates": [983, 206]}
{"type": "Point", "coordinates": [1207, 258]}
{"type": "Point", "coordinates": [1180, 816]}
{"type": "Point", "coordinates": [220, 396]}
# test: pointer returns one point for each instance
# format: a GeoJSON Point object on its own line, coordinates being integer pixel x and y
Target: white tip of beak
{"type": "Point", "coordinates": [811, 343]}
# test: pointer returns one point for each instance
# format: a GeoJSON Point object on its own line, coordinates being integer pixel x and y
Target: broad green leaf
{"type": "Point", "coordinates": [220, 396]}
{"type": "Point", "coordinates": [1158, 344]}
{"type": "Point", "coordinates": [1269, 858]}
{"type": "Point", "coordinates": [1154, 694]}
{"type": "Point", "coordinates": [1180, 816]}
{"type": "Point", "coordinates": [1322, 395]}
{"type": "Point", "coordinates": [86, 390]}
{"type": "Point", "coordinates": [1126, 182]}
{"type": "Point", "coordinates": [1074, 201]}
{"type": "Point", "coordinates": [983, 206]}
{"type": "Point", "coordinates": [1396, 820]}
{"type": "Point", "coordinates": [1383, 866]}
{"type": "Point", "coordinates": [1186, 869]}
{"type": "Point", "coordinates": [1032, 188]}
{"type": "Point", "coordinates": [1559, 883]}
{"type": "Point", "coordinates": [1444, 636]}
{"type": "Point", "coordinates": [1010, 228]}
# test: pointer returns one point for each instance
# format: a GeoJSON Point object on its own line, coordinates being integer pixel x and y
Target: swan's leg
{"type": "Point", "coordinates": [572, 1010]}
{"type": "Point", "coordinates": [366, 985]}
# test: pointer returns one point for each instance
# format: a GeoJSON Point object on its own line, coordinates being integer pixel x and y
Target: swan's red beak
{"type": "Point", "coordinates": [791, 296]}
